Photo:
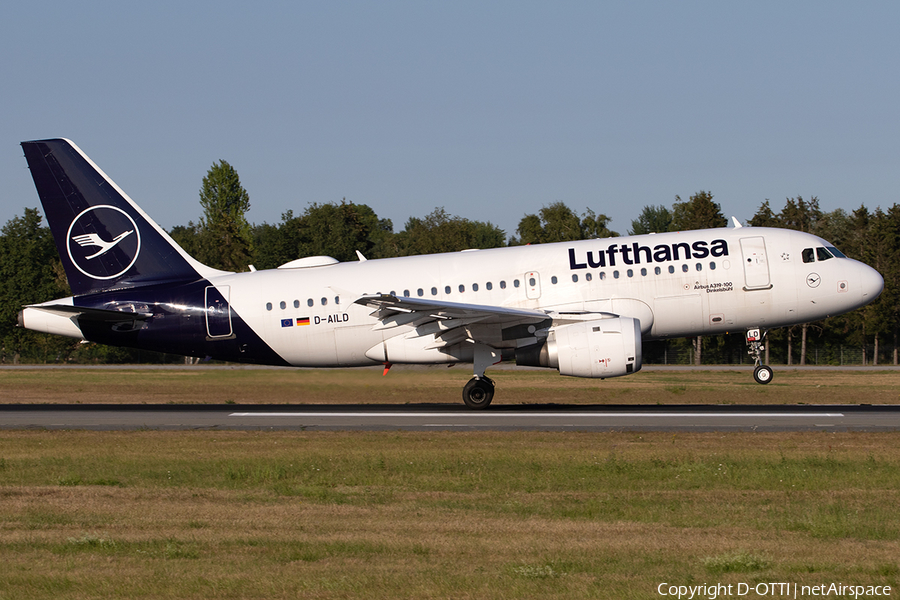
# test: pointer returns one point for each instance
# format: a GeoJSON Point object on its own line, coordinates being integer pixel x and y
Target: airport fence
{"type": "Point", "coordinates": [662, 354]}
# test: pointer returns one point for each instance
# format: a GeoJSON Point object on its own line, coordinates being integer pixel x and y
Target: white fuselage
{"type": "Point", "coordinates": [677, 284]}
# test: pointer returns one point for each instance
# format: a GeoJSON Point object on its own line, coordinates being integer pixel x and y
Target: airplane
{"type": "Point", "coordinates": [582, 307]}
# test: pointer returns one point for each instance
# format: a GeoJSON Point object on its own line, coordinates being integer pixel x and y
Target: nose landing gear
{"type": "Point", "coordinates": [762, 373]}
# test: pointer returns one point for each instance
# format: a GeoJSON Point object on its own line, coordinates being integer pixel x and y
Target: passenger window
{"type": "Point", "coordinates": [699, 266]}
{"type": "Point", "coordinates": [671, 269]}
{"type": "Point", "coordinates": [532, 282]}
{"type": "Point", "coordinates": [337, 299]}
{"type": "Point", "coordinates": [502, 284]}
{"type": "Point", "coordinates": [283, 305]}
{"type": "Point", "coordinates": [712, 266]}
{"type": "Point", "coordinates": [296, 304]}
{"type": "Point", "coordinates": [324, 301]}
{"type": "Point", "coordinates": [615, 274]}
{"type": "Point", "coordinates": [643, 272]}
{"type": "Point", "coordinates": [268, 306]}
{"type": "Point", "coordinates": [657, 270]}
{"type": "Point", "coordinates": [406, 293]}
{"type": "Point", "coordinates": [684, 268]}
{"type": "Point", "coordinates": [474, 287]}
{"type": "Point", "coordinates": [823, 254]}
{"type": "Point", "coordinates": [515, 283]}
{"type": "Point", "coordinates": [447, 289]}
{"type": "Point", "coordinates": [420, 292]}
{"type": "Point", "coordinates": [553, 280]}
{"type": "Point", "coordinates": [310, 302]}
{"type": "Point", "coordinates": [630, 273]}
{"type": "Point", "coordinates": [462, 288]}
{"type": "Point", "coordinates": [602, 275]}
{"type": "Point", "coordinates": [489, 286]}
{"type": "Point", "coordinates": [587, 276]}
{"type": "Point", "coordinates": [434, 291]}
{"type": "Point", "coordinates": [807, 255]}
{"type": "Point", "coordinates": [574, 278]}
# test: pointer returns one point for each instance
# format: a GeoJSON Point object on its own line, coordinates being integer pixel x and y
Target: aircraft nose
{"type": "Point", "coordinates": [871, 283]}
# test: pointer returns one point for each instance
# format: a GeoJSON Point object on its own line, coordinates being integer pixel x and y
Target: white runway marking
{"type": "Point", "coordinates": [505, 415]}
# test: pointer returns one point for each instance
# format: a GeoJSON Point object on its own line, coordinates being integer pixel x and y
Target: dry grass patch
{"type": "Point", "coordinates": [438, 515]}
{"type": "Point", "coordinates": [416, 385]}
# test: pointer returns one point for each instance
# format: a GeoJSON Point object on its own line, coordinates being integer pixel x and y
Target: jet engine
{"type": "Point", "coordinates": [600, 348]}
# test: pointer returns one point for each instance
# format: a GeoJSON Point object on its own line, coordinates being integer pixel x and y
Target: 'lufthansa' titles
{"type": "Point", "coordinates": [636, 254]}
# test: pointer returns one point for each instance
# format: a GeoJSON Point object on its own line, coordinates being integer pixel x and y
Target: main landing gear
{"type": "Point", "coordinates": [762, 373]}
{"type": "Point", "coordinates": [479, 392]}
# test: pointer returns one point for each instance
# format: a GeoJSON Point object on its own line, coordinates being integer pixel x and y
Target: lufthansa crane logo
{"type": "Point", "coordinates": [103, 242]}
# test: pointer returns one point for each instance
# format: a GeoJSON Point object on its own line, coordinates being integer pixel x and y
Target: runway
{"type": "Point", "coordinates": [436, 417]}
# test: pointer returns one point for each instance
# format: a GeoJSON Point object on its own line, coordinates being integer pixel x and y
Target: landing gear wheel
{"type": "Point", "coordinates": [763, 374]}
{"type": "Point", "coordinates": [478, 393]}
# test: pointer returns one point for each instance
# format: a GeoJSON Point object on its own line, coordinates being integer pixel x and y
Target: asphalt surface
{"type": "Point", "coordinates": [432, 417]}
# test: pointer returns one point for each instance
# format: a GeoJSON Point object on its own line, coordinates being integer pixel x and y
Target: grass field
{"type": "Point", "coordinates": [440, 515]}
{"type": "Point", "coordinates": [151, 514]}
{"type": "Point", "coordinates": [414, 385]}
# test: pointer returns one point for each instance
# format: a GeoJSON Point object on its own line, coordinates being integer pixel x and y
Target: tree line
{"type": "Point", "coordinates": [31, 272]}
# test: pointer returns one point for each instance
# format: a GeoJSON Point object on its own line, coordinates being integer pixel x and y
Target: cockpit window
{"type": "Point", "coordinates": [836, 252]}
{"type": "Point", "coordinates": [823, 254]}
{"type": "Point", "coordinates": [808, 255]}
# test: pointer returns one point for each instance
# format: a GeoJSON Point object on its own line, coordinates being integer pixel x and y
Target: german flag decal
{"type": "Point", "coordinates": [302, 321]}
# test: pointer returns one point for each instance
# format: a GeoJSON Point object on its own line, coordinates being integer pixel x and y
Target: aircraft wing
{"type": "Point", "coordinates": [453, 322]}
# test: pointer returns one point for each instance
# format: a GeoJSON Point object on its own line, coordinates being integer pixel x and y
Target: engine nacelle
{"type": "Point", "coordinates": [600, 348]}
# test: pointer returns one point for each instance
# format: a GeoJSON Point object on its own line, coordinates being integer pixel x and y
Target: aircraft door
{"type": "Point", "coordinates": [533, 285]}
{"type": "Point", "coordinates": [756, 265]}
{"type": "Point", "coordinates": [218, 312]}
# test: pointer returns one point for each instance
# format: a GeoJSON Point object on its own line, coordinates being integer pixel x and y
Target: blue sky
{"type": "Point", "coordinates": [491, 110]}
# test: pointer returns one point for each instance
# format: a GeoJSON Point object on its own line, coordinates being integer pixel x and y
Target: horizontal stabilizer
{"type": "Point", "coordinates": [91, 314]}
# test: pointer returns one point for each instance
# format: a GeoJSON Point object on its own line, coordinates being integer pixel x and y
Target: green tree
{"type": "Point", "coordinates": [188, 237]}
{"type": "Point", "coordinates": [442, 232]}
{"type": "Point", "coordinates": [339, 230]}
{"type": "Point", "coordinates": [886, 235]}
{"type": "Point", "coordinates": [653, 219]}
{"type": "Point", "coordinates": [336, 230]}
{"type": "Point", "coordinates": [559, 223]}
{"type": "Point", "coordinates": [225, 241]}
{"type": "Point", "coordinates": [834, 226]}
{"type": "Point", "coordinates": [800, 214]}
{"type": "Point", "coordinates": [764, 217]}
{"type": "Point", "coordinates": [274, 245]}
{"type": "Point", "coordinates": [699, 212]}
{"type": "Point", "coordinates": [595, 226]}
{"type": "Point", "coordinates": [30, 272]}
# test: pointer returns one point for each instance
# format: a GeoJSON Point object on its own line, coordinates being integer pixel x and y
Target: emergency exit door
{"type": "Point", "coordinates": [532, 285]}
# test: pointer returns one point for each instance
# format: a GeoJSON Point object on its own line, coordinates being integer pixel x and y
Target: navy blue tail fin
{"type": "Point", "coordinates": [104, 239]}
